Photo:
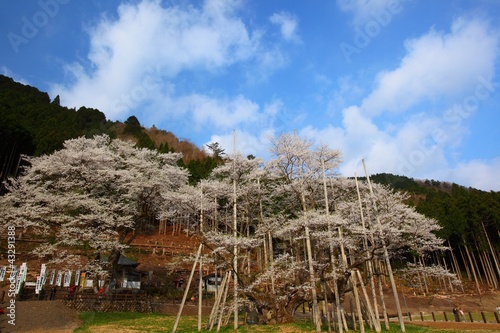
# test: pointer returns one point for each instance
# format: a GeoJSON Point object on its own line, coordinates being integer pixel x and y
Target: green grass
{"type": "Point", "coordinates": [146, 322]}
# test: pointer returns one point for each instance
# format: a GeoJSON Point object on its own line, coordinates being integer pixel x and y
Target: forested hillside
{"type": "Point", "coordinates": [32, 124]}
{"type": "Point", "coordinates": [469, 218]}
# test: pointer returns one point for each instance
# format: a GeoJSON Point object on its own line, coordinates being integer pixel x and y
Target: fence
{"type": "Point", "coordinates": [482, 316]}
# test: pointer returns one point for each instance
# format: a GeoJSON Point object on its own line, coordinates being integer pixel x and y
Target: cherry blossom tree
{"type": "Point", "coordinates": [313, 245]}
{"type": "Point", "coordinates": [91, 197]}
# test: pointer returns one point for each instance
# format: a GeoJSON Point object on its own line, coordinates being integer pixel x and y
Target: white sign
{"type": "Point", "coordinates": [77, 277]}
{"type": "Point", "coordinates": [43, 274]}
{"type": "Point", "coordinates": [59, 278]}
{"type": "Point", "coordinates": [67, 279]}
{"type": "Point", "coordinates": [3, 269]}
{"type": "Point", "coordinates": [52, 276]}
{"type": "Point", "coordinates": [21, 277]}
{"type": "Point", "coordinates": [38, 285]}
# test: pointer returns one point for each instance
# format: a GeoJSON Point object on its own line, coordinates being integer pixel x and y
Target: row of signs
{"type": "Point", "coordinates": [55, 278]}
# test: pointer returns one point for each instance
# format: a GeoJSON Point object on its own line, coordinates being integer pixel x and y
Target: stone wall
{"type": "Point", "coordinates": [99, 305]}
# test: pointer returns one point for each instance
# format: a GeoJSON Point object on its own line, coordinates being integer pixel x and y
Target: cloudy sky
{"type": "Point", "coordinates": [411, 86]}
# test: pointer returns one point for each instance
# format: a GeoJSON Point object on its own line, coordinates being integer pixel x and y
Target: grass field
{"type": "Point", "coordinates": [140, 322]}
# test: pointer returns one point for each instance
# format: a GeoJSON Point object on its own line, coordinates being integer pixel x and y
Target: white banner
{"type": "Point", "coordinates": [43, 275]}
{"type": "Point", "coordinates": [38, 285]}
{"type": "Point", "coordinates": [59, 278]}
{"type": "Point", "coordinates": [3, 269]}
{"type": "Point", "coordinates": [21, 277]}
{"type": "Point", "coordinates": [77, 277]}
{"type": "Point", "coordinates": [67, 279]}
{"type": "Point", "coordinates": [52, 276]}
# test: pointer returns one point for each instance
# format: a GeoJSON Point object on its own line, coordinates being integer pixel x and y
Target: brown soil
{"type": "Point", "coordinates": [41, 317]}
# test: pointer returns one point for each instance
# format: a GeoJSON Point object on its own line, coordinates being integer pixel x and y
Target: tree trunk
{"type": "Point", "coordinates": [467, 264]}
{"type": "Point", "coordinates": [472, 269]}
{"type": "Point", "coordinates": [493, 254]}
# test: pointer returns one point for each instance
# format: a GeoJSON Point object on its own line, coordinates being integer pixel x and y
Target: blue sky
{"type": "Point", "coordinates": [410, 86]}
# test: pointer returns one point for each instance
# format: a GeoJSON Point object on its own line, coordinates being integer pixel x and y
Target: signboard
{"type": "Point", "coordinates": [38, 285]}
{"type": "Point", "coordinates": [67, 279]}
{"type": "Point", "coordinates": [77, 277]}
{"type": "Point", "coordinates": [52, 276]}
{"type": "Point", "coordinates": [43, 274]}
{"type": "Point", "coordinates": [3, 269]}
{"type": "Point", "coordinates": [59, 278]}
{"type": "Point", "coordinates": [21, 277]}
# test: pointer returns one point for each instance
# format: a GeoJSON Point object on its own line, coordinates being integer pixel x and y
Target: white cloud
{"type": "Point", "coordinates": [219, 113]}
{"type": "Point", "coordinates": [479, 174]}
{"type": "Point", "coordinates": [132, 55]}
{"type": "Point", "coordinates": [437, 65]}
{"type": "Point", "coordinates": [288, 25]}
{"type": "Point", "coordinates": [366, 10]}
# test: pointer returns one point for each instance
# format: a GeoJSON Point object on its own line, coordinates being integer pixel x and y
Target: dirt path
{"type": "Point", "coordinates": [42, 317]}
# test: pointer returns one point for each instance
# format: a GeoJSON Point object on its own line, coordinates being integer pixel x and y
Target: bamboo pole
{"type": "Point", "coordinates": [371, 314]}
{"type": "Point", "coordinates": [332, 258]}
{"type": "Point", "coordinates": [218, 298]}
{"type": "Point", "coordinates": [325, 307]}
{"type": "Point", "coordinates": [377, 270]}
{"type": "Point", "coordinates": [369, 261]}
{"type": "Point", "coordinates": [312, 277]}
{"type": "Point", "coordinates": [271, 260]}
{"type": "Point", "coordinates": [235, 235]}
{"type": "Point", "coordinates": [382, 302]}
{"type": "Point", "coordinates": [357, 302]}
{"type": "Point", "coordinates": [186, 291]}
{"type": "Point", "coordinates": [200, 283]}
{"type": "Point", "coordinates": [221, 312]}
{"type": "Point", "coordinates": [200, 292]}
{"type": "Point", "coordinates": [386, 254]}
{"type": "Point", "coordinates": [261, 220]}
{"type": "Point", "coordinates": [317, 319]}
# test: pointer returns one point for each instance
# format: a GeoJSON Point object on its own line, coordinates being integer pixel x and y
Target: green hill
{"type": "Point", "coordinates": [31, 124]}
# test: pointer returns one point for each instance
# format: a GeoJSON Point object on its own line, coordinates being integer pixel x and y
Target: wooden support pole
{"type": "Point", "coordinates": [358, 303]}
{"type": "Point", "coordinates": [386, 254]}
{"type": "Point", "coordinates": [200, 292]}
{"type": "Point", "coordinates": [375, 322]}
{"type": "Point", "coordinates": [235, 235]}
{"type": "Point", "coordinates": [224, 297]}
{"type": "Point", "coordinates": [186, 291]}
{"type": "Point", "coordinates": [215, 308]}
